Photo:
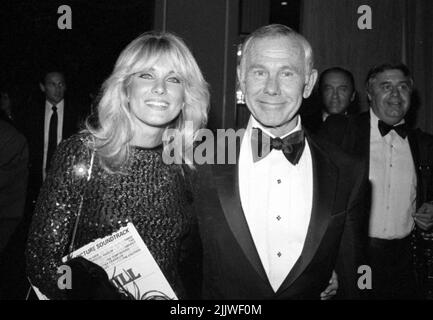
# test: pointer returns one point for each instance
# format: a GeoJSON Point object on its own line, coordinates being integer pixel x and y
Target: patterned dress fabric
{"type": "Point", "coordinates": [154, 196]}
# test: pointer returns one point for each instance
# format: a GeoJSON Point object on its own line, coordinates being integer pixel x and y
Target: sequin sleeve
{"type": "Point", "coordinates": [55, 214]}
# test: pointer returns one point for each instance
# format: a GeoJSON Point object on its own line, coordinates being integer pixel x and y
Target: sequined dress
{"type": "Point", "coordinates": [150, 194]}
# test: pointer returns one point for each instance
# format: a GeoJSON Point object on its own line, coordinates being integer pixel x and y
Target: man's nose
{"type": "Point", "coordinates": [159, 87]}
{"type": "Point", "coordinates": [272, 86]}
{"type": "Point", "coordinates": [335, 94]}
{"type": "Point", "coordinates": [395, 91]}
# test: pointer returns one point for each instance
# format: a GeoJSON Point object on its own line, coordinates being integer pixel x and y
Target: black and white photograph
{"type": "Point", "coordinates": [216, 153]}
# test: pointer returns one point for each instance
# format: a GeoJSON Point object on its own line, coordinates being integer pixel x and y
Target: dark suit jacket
{"type": "Point", "coordinates": [13, 184]}
{"type": "Point", "coordinates": [34, 131]}
{"type": "Point", "coordinates": [313, 122]}
{"type": "Point", "coordinates": [353, 136]}
{"type": "Point", "coordinates": [232, 267]}
{"type": "Point", "coordinates": [14, 284]}
{"type": "Point", "coordinates": [13, 172]}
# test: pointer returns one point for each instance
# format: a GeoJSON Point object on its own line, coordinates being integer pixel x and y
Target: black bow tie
{"type": "Point", "coordinates": [292, 146]}
{"type": "Point", "coordinates": [385, 128]}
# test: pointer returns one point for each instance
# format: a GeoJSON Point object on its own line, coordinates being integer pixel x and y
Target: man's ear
{"type": "Point", "coordinates": [352, 98]}
{"type": "Point", "coordinates": [311, 81]}
{"type": "Point", "coordinates": [42, 87]}
{"type": "Point", "coordinates": [241, 78]}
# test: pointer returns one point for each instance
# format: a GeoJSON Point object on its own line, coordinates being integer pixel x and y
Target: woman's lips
{"type": "Point", "coordinates": [157, 104]}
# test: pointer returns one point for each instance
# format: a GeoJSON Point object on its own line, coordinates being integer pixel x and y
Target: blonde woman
{"type": "Point", "coordinates": [156, 85]}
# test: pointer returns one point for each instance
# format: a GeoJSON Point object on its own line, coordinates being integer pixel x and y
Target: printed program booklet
{"type": "Point", "coordinates": [128, 263]}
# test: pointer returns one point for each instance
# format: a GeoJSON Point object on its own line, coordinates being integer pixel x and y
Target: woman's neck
{"type": "Point", "coordinates": [148, 137]}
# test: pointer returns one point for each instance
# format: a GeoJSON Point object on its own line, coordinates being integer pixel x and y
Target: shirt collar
{"type": "Point", "coordinates": [59, 105]}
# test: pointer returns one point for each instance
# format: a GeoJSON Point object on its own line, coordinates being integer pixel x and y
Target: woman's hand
{"type": "Point", "coordinates": [331, 289]}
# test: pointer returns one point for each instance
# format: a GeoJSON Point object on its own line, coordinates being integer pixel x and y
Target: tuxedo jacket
{"type": "Point", "coordinates": [335, 238]}
{"type": "Point", "coordinates": [353, 136]}
{"type": "Point", "coordinates": [33, 129]}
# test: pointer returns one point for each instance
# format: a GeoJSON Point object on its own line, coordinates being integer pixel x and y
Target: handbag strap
{"type": "Point", "coordinates": [77, 220]}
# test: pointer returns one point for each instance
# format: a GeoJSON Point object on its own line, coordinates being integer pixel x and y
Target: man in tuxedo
{"type": "Point", "coordinates": [275, 224]}
{"type": "Point", "coordinates": [399, 160]}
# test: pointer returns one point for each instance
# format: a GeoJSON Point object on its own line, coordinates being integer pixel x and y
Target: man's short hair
{"type": "Point", "coordinates": [45, 72]}
{"type": "Point", "coordinates": [371, 75]}
{"type": "Point", "coordinates": [347, 73]}
{"type": "Point", "coordinates": [279, 30]}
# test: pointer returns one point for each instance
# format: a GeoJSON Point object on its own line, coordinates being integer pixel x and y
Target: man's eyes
{"type": "Point", "coordinates": [282, 74]}
{"type": "Point", "coordinates": [287, 74]}
{"type": "Point", "coordinates": [404, 87]}
{"type": "Point", "coordinates": [259, 73]}
{"type": "Point", "coordinates": [389, 87]}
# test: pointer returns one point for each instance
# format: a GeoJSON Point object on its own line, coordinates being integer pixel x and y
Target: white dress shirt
{"type": "Point", "coordinates": [393, 178]}
{"type": "Point", "coordinates": [276, 198]}
{"type": "Point", "coordinates": [48, 112]}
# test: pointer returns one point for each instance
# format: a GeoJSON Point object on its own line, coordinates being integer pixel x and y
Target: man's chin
{"type": "Point", "coordinates": [269, 123]}
{"type": "Point", "coordinates": [393, 120]}
{"type": "Point", "coordinates": [56, 100]}
{"type": "Point", "coordinates": [274, 125]}
{"type": "Point", "coordinates": [335, 110]}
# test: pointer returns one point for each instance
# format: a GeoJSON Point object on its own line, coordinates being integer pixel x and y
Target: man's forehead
{"type": "Point", "coordinates": [54, 77]}
{"type": "Point", "coordinates": [393, 75]}
{"type": "Point", "coordinates": [333, 77]}
{"type": "Point", "coordinates": [277, 47]}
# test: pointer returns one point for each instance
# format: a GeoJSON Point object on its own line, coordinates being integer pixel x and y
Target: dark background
{"type": "Point", "coordinates": [30, 40]}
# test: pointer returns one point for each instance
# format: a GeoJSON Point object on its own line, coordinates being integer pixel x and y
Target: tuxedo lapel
{"type": "Point", "coordinates": [228, 190]}
{"type": "Point", "coordinates": [39, 125]}
{"type": "Point", "coordinates": [414, 149]}
{"type": "Point", "coordinates": [66, 120]}
{"type": "Point", "coordinates": [36, 137]}
{"type": "Point", "coordinates": [325, 178]}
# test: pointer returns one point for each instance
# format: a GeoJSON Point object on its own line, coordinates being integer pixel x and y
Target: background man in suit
{"type": "Point", "coordinates": [399, 161]}
{"type": "Point", "coordinates": [337, 88]}
{"type": "Point", "coordinates": [48, 121]}
{"type": "Point", "coordinates": [337, 93]}
{"type": "Point", "coordinates": [275, 225]}
{"type": "Point", "coordinates": [13, 179]}
{"type": "Point", "coordinates": [13, 184]}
